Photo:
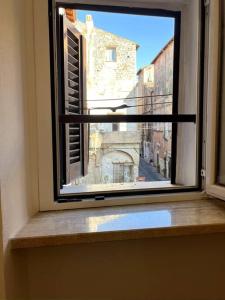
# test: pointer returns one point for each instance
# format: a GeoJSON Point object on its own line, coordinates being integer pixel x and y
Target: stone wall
{"type": "Point", "coordinates": [156, 137]}
{"type": "Point", "coordinates": [110, 80]}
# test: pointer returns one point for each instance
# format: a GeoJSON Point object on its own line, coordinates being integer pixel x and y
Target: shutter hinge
{"type": "Point", "coordinates": [203, 173]}
{"type": "Point", "coordinates": [206, 3]}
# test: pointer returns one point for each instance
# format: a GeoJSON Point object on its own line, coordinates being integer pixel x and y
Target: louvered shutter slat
{"type": "Point", "coordinates": [72, 76]}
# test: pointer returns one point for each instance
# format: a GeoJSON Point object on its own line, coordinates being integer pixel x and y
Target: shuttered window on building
{"type": "Point", "coordinates": [74, 151]}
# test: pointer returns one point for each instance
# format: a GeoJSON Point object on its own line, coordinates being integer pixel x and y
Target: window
{"type": "Point", "coordinates": [146, 146]}
{"type": "Point", "coordinates": [115, 126]}
{"type": "Point", "coordinates": [111, 54]}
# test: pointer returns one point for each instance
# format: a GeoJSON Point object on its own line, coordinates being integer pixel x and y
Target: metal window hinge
{"type": "Point", "coordinates": [203, 173]}
{"type": "Point", "coordinates": [206, 3]}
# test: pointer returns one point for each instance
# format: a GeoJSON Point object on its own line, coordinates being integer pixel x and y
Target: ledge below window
{"type": "Point", "coordinates": [122, 223]}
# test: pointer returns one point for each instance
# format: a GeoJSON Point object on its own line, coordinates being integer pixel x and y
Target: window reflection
{"type": "Point", "coordinates": [138, 220]}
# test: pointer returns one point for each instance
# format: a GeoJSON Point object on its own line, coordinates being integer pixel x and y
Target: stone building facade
{"type": "Point", "coordinates": [110, 74]}
{"type": "Point", "coordinates": [154, 80]}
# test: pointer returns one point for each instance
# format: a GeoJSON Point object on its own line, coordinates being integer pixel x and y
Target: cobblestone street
{"type": "Point", "coordinates": [149, 172]}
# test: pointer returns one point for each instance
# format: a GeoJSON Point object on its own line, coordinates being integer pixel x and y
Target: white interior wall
{"type": "Point", "coordinates": [43, 103]}
{"type": "Point", "coordinates": [18, 155]}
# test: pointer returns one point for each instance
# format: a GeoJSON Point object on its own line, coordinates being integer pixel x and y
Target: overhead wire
{"type": "Point", "coordinates": [128, 106]}
{"type": "Point", "coordinates": [127, 98]}
{"type": "Point", "coordinates": [124, 106]}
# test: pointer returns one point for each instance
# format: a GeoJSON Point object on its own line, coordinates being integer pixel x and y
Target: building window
{"type": "Point", "coordinates": [90, 103]}
{"type": "Point", "coordinates": [115, 127]}
{"type": "Point", "coordinates": [110, 54]}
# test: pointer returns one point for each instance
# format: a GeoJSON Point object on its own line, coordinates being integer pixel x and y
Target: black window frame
{"type": "Point", "coordinates": [174, 118]}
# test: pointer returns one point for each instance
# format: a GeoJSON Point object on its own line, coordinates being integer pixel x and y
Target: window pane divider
{"type": "Point", "coordinates": [173, 118]}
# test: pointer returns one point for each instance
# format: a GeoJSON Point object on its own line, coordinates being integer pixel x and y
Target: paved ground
{"type": "Point", "coordinates": [149, 172]}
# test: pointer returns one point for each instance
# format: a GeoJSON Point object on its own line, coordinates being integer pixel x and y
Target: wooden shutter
{"type": "Point", "coordinates": [75, 142]}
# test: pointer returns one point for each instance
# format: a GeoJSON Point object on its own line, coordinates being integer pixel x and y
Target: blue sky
{"type": "Point", "coordinates": [150, 33]}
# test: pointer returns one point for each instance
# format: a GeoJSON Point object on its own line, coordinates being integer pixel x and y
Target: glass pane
{"type": "Point", "coordinates": [137, 156]}
{"type": "Point", "coordinates": [140, 79]}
